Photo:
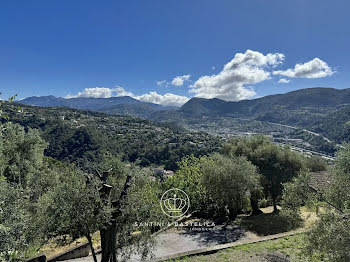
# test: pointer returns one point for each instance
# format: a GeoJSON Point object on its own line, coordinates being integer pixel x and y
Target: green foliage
{"type": "Point", "coordinates": [335, 125]}
{"type": "Point", "coordinates": [189, 178]}
{"type": "Point", "coordinates": [229, 182]}
{"type": "Point", "coordinates": [25, 175]}
{"type": "Point", "coordinates": [4, 115]}
{"type": "Point", "coordinates": [141, 206]}
{"type": "Point", "coordinates": [215, 184]}
{"type": "Point", "coordinates": [82, 137]}
{"type": "Point", "coordinates": [15, 223]}
{"type": "Point", "coordinates": [21, 152]}
{"type": "Point", "coordinates": [276, 165]}
{"type": "Point", "coordinates": [338, 192]}
{"type": "Point", "coordinates": [296, 193]}
{"type": "Point", "coordinates": [41, 198]}
{"type": "Point", "coordinates": [315, 163]}
{"type": "Point", "coordinates": [71, 207]}
{"type": "Point", "coordinates": [330, 236]}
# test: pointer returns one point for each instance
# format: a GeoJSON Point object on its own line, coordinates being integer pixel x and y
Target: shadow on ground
{"type": "Point", "coordinates": [266, 224]}
{"type": "Point", "coordinates": [217, 235]}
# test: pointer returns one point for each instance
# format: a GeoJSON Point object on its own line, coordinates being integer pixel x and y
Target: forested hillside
{"type": "Point", "coordinates": [335, 125]}
{"type": "Point", "coordinates": [305, 108]}
{"type": "Point", "coordinates": [85, 137]}
{"type": "Point", "coordinates": [321, 110]}
{"type": "Point", "coordinates": [301, 108]}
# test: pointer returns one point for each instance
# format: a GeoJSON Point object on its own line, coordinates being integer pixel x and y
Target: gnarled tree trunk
{"type": "Point", "coordinates": [109, 232]}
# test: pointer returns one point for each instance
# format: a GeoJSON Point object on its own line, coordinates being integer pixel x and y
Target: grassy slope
{"type": "Point", "coordinates": [290, 248]}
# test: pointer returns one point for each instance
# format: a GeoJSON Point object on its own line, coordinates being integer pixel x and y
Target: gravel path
{"type": "Point", "coordinates": [175, 241]}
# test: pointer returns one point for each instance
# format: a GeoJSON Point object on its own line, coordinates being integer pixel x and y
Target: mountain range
{"type": "Point", "coordinates": [114, 105]}
{"type": "Point", "coordinates": [311, 97]}
{"type": "Point", "coordinates": [303, 108]}
{"type": "Point", "coordinates": [312, 108]}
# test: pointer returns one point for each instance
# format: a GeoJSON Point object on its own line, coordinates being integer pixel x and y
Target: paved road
{"type": "Point", "coordinates": [175, 241]}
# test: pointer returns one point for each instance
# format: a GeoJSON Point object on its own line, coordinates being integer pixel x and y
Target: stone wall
{"type": "Point", "coordinates": [82, 250]}
{"type": "Point", "coordinates": [41, 258]}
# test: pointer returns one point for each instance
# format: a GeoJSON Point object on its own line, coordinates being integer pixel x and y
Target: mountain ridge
{"type": "Point", "coordinates": [303, 107]}
{"type": "Point", "coordinates": [300, 108]}
{"type": "Point", "coordinates": [316, 97]}
{"type": "Point", "coordinates": [124, 105]}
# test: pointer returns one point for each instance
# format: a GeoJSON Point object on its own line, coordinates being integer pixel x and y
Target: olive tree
{"type": "Point", "coordinates": [331, 233]}
{"type": "Point", "coordinates": [315, 164]}
{"type": "Point", "coordinates": [71, 207]}
{"type": "Point", "coordinates": [329, 237]}
{"type": "Point", "coordinates": [229, 181]}
{"type": "Point", "coordinates": [21, 153]}
{"type": "Point", "coordinates": [15, 223]}
{"type": "Point", "coordinates": [189, 178]}
{"type": "Point", "coordinates": [21, 156]}
{"type": "Point", "coordinates": [277, 165]}
{"type": "Point", "coordinates": [134, 199]}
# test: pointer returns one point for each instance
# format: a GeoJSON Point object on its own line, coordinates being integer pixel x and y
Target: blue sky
{"type": "Point", "coordinates": [69, 48]}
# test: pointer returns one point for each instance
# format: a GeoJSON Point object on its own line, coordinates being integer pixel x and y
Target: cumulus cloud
{"type": "Point", "coordinates": [231, 83]}
{"type": "Point", "coordinates": [152, 97]}
{"type": "Point", "coordinates": [283, 81]}
{"type": "Point", "coordinates": [101, 92]}
{"type": "Point", "coordinates": [179, 80]}
{"type": "Point", "coordinates": [315, 68]}
{"type": "Point", "coordinates": [155, 98]}
{"type": "Point", "coordinates": [97, 92]}
{"type": "Point", "coordinates": [234, 82]}
{"type": "Point", "coordinates": [122, 92]}
{"type": "Point", "coordinates": [166, 99]}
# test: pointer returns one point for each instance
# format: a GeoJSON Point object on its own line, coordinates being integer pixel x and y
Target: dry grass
{"type": "Point", "coordinates": [54, 247]}
{"type": "Point", "coordinates": [308, 216]}
{"type": "Point", "coordinates": [288, 248]}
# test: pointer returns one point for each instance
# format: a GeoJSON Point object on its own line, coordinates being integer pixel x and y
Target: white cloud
{"type": "Point", "coordinates": [283, 81]}
{"type": "Point", "coordinates": [233, 83]}
{"type": "Point", "coordinates": [101, 92]}
{"type": "Point", "coordinates": [243, 69]}
{"type": "Point", "coordinates": [122, 92]}
{"type": "Point", "coordinates": [155, 98]}
{"type": "Point", "coordinates": [152, 97]}
{"type": "Point", "coordinates": [166, 99]}
{"type": "Point", "coordinates": [315, 68]}
{"type": "Point", "coordinates": [97, 92]}
{"type": "Point", "coordinates": [179, 80]}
